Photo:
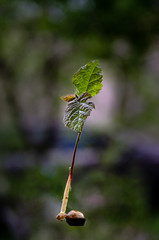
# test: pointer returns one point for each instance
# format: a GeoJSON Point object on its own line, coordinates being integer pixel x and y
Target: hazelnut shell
{"type": "Point", "coordinates": [75, 218]}
{"type": "Point", "coordinates": [76, 221]}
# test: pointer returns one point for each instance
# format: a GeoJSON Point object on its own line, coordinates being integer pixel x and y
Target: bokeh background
{"type": "Point", "coordinates": [116, 178]}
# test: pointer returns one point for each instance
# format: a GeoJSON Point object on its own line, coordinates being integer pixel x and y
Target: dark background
{"type": "Point", "coordinates": [116, 178]}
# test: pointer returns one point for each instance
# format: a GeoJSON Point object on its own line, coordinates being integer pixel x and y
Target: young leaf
{"type": "Point", "coordinates": [77, 111]}
{"type": "Point", "coordinates": [68, 98]}
{"type": "Point", "coordinates": [88, 78]}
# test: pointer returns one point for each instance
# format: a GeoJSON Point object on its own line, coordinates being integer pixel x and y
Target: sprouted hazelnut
{"type": "Point", "coordinates": [73, 218]}
{"type": "Point", "coordinates": [76, 113]}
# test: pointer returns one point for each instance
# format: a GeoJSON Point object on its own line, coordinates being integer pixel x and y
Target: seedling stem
{"type": "Point", "coordinates": [68, 183]}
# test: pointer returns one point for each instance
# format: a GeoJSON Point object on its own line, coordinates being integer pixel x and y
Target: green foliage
{"type": "Point", "coordinates": [88, 83]}
{"type": "Point", "coordinates": [77, 111]}
{"type": "Point", "coordinates": [88, 78]}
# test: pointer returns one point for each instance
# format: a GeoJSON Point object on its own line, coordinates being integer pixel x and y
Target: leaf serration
{"type": "Point", "coordinates": [88, 78]}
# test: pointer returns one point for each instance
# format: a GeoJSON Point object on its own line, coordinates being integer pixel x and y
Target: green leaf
{"type": "Point", "coordinates": [77, 111]}
{"type": "Point", "coordinates": [88, 78]}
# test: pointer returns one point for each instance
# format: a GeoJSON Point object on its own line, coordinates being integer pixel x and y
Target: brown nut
{"type": "Point", "coordinates": [75, 218]}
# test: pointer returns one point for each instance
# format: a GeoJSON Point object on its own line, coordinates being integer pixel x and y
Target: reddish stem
{"type": "Point", "coordinates": [74, 155]}
{"type": "Point", "coordinates": [62, 214]}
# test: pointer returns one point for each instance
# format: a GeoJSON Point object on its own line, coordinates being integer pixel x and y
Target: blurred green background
{"type": "Point", "coordinates": [116, 178]}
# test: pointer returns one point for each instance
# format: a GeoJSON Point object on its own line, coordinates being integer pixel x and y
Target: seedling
{"type": "Point", "coordinates": [88, 82]}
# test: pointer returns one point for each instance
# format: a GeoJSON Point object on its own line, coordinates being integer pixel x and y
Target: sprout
{"type": "Point", "coordinates": [88, 82]}
{"type": "Point", "coordinates": [73, 218]}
